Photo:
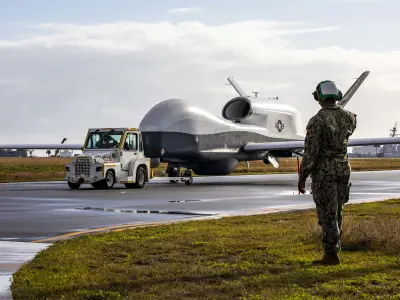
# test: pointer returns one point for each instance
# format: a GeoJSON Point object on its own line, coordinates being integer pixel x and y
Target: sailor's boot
{"type": "Point", "coordinates": [330, 258]}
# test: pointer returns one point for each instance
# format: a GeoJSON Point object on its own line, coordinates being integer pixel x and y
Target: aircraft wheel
{"type": "Point", "coordinates": [188, 173]}
{"type": "Point", "coordinates": [174, 172]}
{"type": "Point", "coordinates": [74, 185]}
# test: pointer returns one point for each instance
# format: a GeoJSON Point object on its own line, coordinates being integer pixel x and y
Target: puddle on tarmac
{"type": "Point", "coordinates": [143, 211]}
{"type": "Point", "coordinates": [293, 193]}
{"type": "Point", "coordinates": [179, 201]}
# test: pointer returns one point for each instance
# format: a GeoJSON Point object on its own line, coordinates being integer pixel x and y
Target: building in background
{"type": "Point", "coordinates": [66, 153]}
{"type": "Point", "coordinates": [378, 151]}
{"type": "Point", "coordinates": [392, 150]}
{"type": "Point", "coordinates": [13, 153]}
{"type": "Point", "coordinates": [366, 151]}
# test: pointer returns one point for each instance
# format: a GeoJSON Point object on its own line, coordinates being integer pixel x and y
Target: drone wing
{"type": "Point", "coordinates": [42, 146]}
{"type": "Point", "coordinates": [299, 145]}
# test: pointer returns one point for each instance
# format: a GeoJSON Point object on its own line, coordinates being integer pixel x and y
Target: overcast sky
{"type": "Point", "coordinates": [69, 65]}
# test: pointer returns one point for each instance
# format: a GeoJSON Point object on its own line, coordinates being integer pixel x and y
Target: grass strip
{"type": "Point", "coordinates": [247, 257]}
{"type": "Point", "coordinates": [53, 168]}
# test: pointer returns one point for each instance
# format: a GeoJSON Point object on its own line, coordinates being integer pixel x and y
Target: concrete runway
{"type": "Point", "coordinates": [34, 211]}
{"type": "Point", "coordinates": [41, 211]}
{"type": "Point", "coordinates": [12, 256]}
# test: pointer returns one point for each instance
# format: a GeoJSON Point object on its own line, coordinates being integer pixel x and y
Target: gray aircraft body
{"type": "Point", "coordinates": [186, 136]}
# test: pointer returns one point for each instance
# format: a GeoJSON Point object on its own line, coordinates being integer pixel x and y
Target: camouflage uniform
{"type": "Point", "coordinates": [325, 159]}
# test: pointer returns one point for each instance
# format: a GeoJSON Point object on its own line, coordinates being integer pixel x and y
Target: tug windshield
{"type": "Point", "coordinates": [109, 139]}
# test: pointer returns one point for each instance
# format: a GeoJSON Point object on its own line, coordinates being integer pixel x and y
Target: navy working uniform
{"type": "Point", "coordinates": [325, 159]}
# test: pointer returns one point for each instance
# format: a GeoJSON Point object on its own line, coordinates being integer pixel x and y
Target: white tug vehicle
{"type": "Point", "coordinates": [109, 156]}
{"type": "Point", "coordinates": [114, 155]}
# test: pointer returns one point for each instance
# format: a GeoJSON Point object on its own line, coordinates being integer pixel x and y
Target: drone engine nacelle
{"type": "Point", "coordinates": [278, 118]}
{"type": "Point", "coordinates": [237, 109]}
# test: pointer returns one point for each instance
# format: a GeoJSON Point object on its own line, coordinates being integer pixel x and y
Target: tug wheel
{"type": "Point", "coordinates": [109, 180]}
{"type": "Point", "coordinates": [74, 185]}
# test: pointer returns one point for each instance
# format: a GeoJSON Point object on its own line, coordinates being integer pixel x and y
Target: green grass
{"type": "Point", "coordinates": [246, 257]}
{"type": "Point", "coordinates": [32, 169]}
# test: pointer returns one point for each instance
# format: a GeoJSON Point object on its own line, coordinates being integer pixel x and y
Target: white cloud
{"type": "Point", "coordinates": [78, 76]}
{"type": "Point", "coordinates": [184, 10]}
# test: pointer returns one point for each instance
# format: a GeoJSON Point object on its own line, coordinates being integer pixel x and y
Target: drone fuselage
{"type": "Point", "coordinates": [180, 134]}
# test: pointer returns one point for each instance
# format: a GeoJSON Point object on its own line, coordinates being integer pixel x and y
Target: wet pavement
{"type": "Point", "coordinates": [32, 211]}
{"type": "Point", "coordinates": [12, 256]}
{"type": "Point", "coordinates": [35, 211]}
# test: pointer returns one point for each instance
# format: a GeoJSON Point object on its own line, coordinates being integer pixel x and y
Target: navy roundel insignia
{"type": "Point", "coordinates": [279, 125]}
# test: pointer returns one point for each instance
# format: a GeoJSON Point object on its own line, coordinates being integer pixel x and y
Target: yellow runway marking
{"type": "Point", "coordinates": [116, 229]}
{"type": "Point", "coordinates": [151, 224]}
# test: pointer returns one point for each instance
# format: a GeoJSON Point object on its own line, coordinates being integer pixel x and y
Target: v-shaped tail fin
{"type": "Point", "coordinates": [237, 87]}
{"type": "Point", "coordinates": [351, 91]}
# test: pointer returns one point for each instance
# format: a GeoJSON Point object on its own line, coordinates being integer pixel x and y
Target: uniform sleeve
{"type": "Point", "coordinates": [354, 121]}
{"type": "Point", "coordinates": [311, 149]}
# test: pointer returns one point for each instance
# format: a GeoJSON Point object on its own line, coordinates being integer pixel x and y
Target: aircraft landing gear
{"type": "Point", "coordinates": [188, 174]}
{"type": "Point", "coordinates": [175, 171]}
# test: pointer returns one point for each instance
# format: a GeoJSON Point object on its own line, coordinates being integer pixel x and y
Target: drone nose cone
{"type": "Point", "coordinates": [164, 115]}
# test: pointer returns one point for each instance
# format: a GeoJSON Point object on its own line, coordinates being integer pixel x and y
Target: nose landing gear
{"type": "Point", "coordinates": [175, 172]}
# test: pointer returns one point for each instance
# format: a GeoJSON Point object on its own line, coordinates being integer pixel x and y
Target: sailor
{"type": "Point", "coordinates": [326, 161]}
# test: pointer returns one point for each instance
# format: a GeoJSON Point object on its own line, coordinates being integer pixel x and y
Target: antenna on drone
{"type": "Point", "coordinates": [239, 90]}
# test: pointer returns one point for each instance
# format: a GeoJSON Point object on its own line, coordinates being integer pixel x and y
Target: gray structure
{"type": "Point", "coordinates": [366, 151]}
{"type": "Point", "coordinates": [13, 153]}
{"type": "Point", "coordinates": [389, 150]}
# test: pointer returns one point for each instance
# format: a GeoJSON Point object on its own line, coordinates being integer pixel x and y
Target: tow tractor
{"type": "Point", "coordinates": [113, 155]}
